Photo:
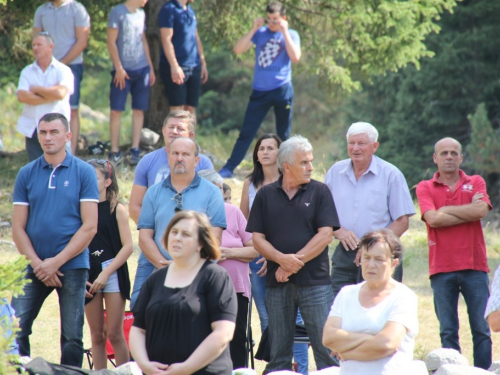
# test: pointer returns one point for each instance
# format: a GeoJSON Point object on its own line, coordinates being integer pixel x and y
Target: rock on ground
{"type": "Point", "coordinates": [450, 369]}
{"type": "Point", "coordinates": [439, 357]}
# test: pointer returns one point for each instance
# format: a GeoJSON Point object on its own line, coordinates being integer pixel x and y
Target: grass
{"type": "Point", "coordinates": [45, 335]}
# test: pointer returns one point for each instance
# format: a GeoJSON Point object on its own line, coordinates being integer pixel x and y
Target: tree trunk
{"type": "Point", "coordinates": [158, 102]}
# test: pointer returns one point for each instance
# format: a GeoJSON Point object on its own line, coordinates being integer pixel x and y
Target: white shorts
{"type": "Point", "coordinates": [112, 285]}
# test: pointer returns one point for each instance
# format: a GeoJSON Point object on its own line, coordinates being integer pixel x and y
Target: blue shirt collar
{"type": "Point", "coordinates": [66, 162]}
{"type": "Point", "coordinates": [373, 167]}
{"type": "Point", "coordinates": [196, 182]}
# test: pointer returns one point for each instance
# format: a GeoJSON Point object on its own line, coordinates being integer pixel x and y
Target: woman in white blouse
{"type": "Point", "coordinates": [372, 325]}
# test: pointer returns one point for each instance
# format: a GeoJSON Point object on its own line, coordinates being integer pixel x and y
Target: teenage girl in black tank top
{"type": "Point", "coordinates": [109, 281]}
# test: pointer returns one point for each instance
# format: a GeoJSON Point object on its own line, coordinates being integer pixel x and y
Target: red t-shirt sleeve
{"type": "Point", "coordinates": [425, 200]}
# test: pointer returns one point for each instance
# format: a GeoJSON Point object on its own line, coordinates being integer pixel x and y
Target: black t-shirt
{"type": "Point", "coordinates": [177, 320]}
{"type": "Point", "coordinates": [289, 224]}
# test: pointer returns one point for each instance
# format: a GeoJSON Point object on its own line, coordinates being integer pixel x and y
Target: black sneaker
{"type": "Point", "coordinates": [115, 157]}
{"type": "Point", "coordinates": [133, 156]}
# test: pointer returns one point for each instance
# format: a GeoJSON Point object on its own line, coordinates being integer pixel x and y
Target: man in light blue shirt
{"type": "Point", "coordinates": [369, 194]}
{"type": "Point", "coordinates": [183, 189]}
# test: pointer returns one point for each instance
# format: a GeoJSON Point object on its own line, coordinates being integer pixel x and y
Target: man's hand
{"type": "Point", "coordinates": [258, 23]}
{"type": "Point", "coordinates": [348, 239]}
{"type": "Point", "coordinates": [263, 270]}
{"type": "Point", "coordinates": [283, 25]}
{"type": "Point", "coordinates": [152, 77]}
{"type": "Point", "coordinates": [281, 275]}
{"type": "Point", "coordinates": [165, 263]}
{"type": "Point", "coordinates": [48, 268]}
{"type": "Point", "coordinates": [204, 74]}
{"type": "Point", "coordinates": [357, 260]}
{"type": "Point", "coordinates": [291, 262]}
{"type": "Point", "coordinates": [177, 75]}
{"type": "Point", "coordinates": [54, 281]}
{"type": "Point", "coordinates": [120, 77]}
{"type": "Point", "coordinates": [478, 197]}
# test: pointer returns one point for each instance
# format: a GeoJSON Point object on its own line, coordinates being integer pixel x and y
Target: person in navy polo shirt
{"type": "Point", "coordinates": [182, 63]}
{"type": "Point", "coordinates": [292, 221]}
{"type": "Point", "coordinates": [54, 220]}
{"type": "Point", "coordinates": [276, 48]}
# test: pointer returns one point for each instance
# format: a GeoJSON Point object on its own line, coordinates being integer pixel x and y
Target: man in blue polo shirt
{"type": "Point", "coordinates": [183, 189]}
{"type": "Point", "coordinates": [276, 48]}
{"type": "Point", "coordinates": [182, 63]}
{"type": "Point", "coordinates": [54, 219]}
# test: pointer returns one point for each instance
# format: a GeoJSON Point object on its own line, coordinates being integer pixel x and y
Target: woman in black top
{"type": "Point", "coordinates": [185, 314]}
{"type": "Point", "coordinates": [109, 281]}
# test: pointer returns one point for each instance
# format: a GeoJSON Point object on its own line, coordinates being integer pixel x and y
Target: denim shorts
{"type": "Point", "coordinates": [112, 285]}
{"type": "Point", "coordinates": [186, 94]}
{"type": "Point", "coordinates": [137, 85]}
{"type": "Point", "coordinates": [74, 99]}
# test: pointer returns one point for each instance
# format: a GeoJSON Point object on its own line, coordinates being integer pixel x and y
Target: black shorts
{"type": "Point", "coordinates": [186, 94]}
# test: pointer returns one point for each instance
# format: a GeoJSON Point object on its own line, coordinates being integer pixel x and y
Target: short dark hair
{"type": "Point", "coordinates": [53, 116]}
{"type": "Point", "coordinates": [386, 236]}
{"type": "Point", "coordinates": [275, 7]}
{"type": "Point", "coordinates": [206, 238]}
{"type": "Point", "coordinates": [225, 188]}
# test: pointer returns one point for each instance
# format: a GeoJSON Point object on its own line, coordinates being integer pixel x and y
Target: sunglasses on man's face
{"type": "Point", "coordinates": [101, 162]}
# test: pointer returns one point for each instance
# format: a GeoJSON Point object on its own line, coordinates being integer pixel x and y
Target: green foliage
{"type": "Point", "coordinates": [11, 283]}
{"type": "Point", "coordinates": [415, 108]}
{"type": "Point", "coordinates": [344, 41]}
{"type": "Point", "coordinates": [484, 147]}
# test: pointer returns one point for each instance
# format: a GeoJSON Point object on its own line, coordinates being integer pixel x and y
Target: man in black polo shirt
{"type": "Point", "coordinates": [292, 221]}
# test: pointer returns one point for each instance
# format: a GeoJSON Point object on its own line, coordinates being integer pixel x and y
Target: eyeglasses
{"type": "Point", "coordinates": [101, 162]}
{"type": "Point", "coordinates": [178, 200]}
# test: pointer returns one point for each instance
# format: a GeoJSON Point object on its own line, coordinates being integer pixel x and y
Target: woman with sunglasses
{"type": "Point", "coordinates": [109, 281]}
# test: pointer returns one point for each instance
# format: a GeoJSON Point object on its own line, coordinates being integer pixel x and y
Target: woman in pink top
{"type": "Point", "coordinates": [236, 252]}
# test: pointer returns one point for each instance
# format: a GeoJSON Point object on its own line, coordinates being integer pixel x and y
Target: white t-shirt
{"type": "Point", "coordinates": [399, 306]}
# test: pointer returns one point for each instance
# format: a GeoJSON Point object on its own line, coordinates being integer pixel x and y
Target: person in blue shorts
{"type": "Point", "coordinates": [182, 63]}
{"type": "Point", "coordinates": [54, 219]}
{"type": "Point", "coordinates": [132, 72]}
{"type": "Point", "coordinates": [276, 48]}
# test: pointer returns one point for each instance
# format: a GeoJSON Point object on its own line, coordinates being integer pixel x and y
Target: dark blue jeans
{"type": "Point", "coordinates": [281, 99]}
{"type": "Point", "coordinates": [474, 288]}
{"type": "Point", "coordinates": [282, 303]}
{"type": "Point", "coordinates": [71, 308]}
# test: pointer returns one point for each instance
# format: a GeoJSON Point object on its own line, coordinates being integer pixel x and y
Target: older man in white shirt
{"type": "Point", "coordinates": [44, 87]}
{"type": "Point", "coordinates": [369, 194]}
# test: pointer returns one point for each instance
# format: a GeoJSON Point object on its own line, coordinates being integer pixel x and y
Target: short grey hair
{"type": "Point", "coordinates": [363, 128]}
{"type": "Point", "coordinates": [211, 176]}
{"type": "Point", "coordinates": [288, 149]}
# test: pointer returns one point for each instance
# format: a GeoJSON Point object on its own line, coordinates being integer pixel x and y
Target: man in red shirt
{"type": "Point", "coordinates": [452, 204]}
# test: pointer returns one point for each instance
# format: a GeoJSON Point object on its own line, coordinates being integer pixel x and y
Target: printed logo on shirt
{"type": "Point", "coordinates": [269, 52]}
{"type": "Point", "coordinates": [468, 187]}
{"type": "Point", "coordinates": [97, 253]}
{"type": "Point", "coordinates": [66, 183]}
{"type": "Point", "coordinates": [431, 243]}
{"type": "Point", "coordinates": [307, 204]}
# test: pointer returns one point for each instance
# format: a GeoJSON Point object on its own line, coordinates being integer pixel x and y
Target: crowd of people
{"type": "Point", "coordinates": [202, 258]}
